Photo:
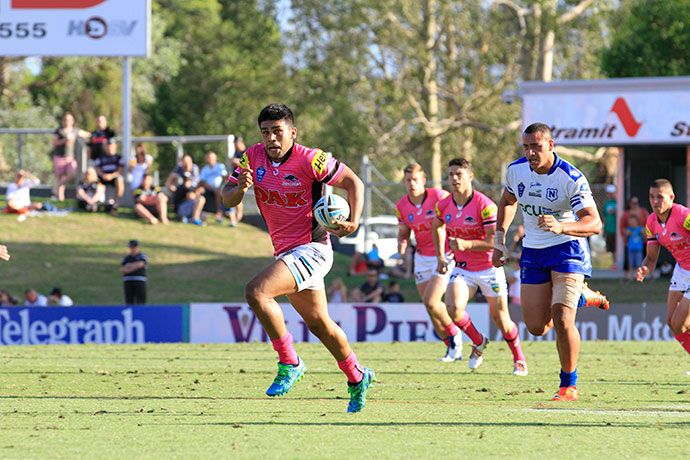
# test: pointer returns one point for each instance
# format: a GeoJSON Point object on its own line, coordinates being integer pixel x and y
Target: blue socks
{"type": "Point", "coordinates": [568, 379]}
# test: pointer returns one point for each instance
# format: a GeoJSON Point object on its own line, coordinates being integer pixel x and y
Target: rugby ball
{"type": "Point", "coordinates": [331, 208]}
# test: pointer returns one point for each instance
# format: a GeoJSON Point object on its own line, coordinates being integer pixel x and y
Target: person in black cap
{"type": "Point", "coordinates": [133, 267]}
{"type": "Point", "coordinates": [57, 298]}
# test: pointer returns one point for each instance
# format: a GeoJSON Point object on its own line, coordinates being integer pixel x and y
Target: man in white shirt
{"type": "Point", "coordinates": [59, 299]}
{"type": "Point", "coordinates": [34, 299]}
{"type": "Point", "coordinates": [18, 193]}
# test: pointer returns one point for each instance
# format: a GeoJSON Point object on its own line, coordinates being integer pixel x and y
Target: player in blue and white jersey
{"type": "Point", "coordinates": [559, 213]}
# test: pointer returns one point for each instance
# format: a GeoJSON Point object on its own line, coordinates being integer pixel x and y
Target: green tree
{"type": "Point", "coordinates": [428, 76]}
{"type": "Point", "coordinates": [649, 38]}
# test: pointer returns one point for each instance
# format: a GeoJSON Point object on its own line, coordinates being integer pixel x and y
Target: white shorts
{"type": "Point", "coordinates": [425, 267]}
{"type": "Point", "coordinates": [680, 281]}
{"type": "Point", "coordinates": [492, 281]}
{"type": "Point", "coordinates": [309, 264]}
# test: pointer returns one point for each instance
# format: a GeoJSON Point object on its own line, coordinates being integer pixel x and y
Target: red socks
{"type": "Point", "coordinates": [286, 352]}
{"type": "Point", "coordinates": [513, 340]}
{"type": "Point", "coordinates": [684, 340]}
{"type": "Point", "coordinates": [468, 328]}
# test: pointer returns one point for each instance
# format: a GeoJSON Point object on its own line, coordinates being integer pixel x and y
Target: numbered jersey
{"type": "Point", "coordinates": [674, 235]}
{"type": "Point", "coordinates": [469, 222]}
{"type": "Point", "coordinates": [419, 219]}
{"type": "Point", "coordinates": [285, 192]}
{"type": "Point", "coordinates": [561, 192]}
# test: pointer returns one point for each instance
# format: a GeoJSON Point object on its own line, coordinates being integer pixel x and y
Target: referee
{"type": "Point", "coordinates": [133, 268]}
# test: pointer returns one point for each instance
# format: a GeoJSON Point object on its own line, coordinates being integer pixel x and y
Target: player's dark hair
{"type": "Point", "coordinates": [460, 162]}
{"type": "Point", "coordinates": [662, 183]}
{"type": "Point", "coordinates": [275, 112]}
{"type": "Point", "coordinates": [540, 128]}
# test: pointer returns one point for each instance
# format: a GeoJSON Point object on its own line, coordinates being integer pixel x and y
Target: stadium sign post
{"type": "Point", "coordinates": [102, 28]}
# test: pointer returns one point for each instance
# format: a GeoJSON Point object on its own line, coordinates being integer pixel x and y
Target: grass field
{"type": "Point", "coordinates": [82, 252]}
{"type": "Point", "coordinates": [208, 401]}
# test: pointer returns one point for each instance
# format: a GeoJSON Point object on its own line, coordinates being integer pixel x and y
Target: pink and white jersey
{"type": "Point", "coordinates": [286, 192]}
{"type": "Point", "coordinates": [674, 235]}
{"type": "Point", "coordinates": [469, 223]}
{"type": "Point", "coordinates": [420, 218]}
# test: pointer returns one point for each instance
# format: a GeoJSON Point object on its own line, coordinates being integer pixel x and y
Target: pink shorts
{"type": "Point", "coordinates": [64, 165]}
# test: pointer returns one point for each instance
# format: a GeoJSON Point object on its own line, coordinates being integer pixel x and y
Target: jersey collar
{"type": "Point", "coordinates": [556, 163]}
{"type": "Point", "coordinates": [426, 194]}
{"type": "Point", "coordinates": [468, 201]}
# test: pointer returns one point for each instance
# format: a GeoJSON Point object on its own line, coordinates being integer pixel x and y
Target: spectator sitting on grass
{"type": "Point", "coordinates": [149, 200]}
{"type": "Point", "coordinates": [369, 291]}
{"type": "Point", "coordinates": [18, 194]}
{"type": "Point", "coordinates": [110, 168]}
{"type": "Point", "coordinates": [91, 192]}
{"type": "Point", "coordinates": [7, 300]}
{"type": "Point", "coordinates": [183, 178]}
{"type": "Point", "coordinates": [210, 182]}
{"type": "Point", "coordinates": [191, 209]}
{"type": "Point", "coordinates": [59, 299]}
{"type": "Point", "coordinates": [393, 295]}
{"type": "Point", "coordinates": [34, 299]}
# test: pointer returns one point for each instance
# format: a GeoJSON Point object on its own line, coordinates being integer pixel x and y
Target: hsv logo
{"type": "Point", "coordinates": [620, 108]}
{"type": "Point", "coordinates": [55, 4]}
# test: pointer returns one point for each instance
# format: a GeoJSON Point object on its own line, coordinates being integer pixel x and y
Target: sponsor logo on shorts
{"type": "Point", "coordinates": [495, 287]}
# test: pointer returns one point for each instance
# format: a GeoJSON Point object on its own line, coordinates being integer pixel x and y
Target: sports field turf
{"type": "Point", "coordinates": [208, 401]}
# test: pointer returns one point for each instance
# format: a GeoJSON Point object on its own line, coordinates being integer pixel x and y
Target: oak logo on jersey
{"type": "Point", "coordinates": [448, 218]}
{"type": "Point", "coordinates": [410, 217]}
{"type": "Point", "coordinates": [320, 161]}
{"type": "Point", "coordinates": [280, 198]}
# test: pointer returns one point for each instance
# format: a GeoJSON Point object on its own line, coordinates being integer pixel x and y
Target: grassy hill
{"type": "Point", "coordinates": [82, 252]}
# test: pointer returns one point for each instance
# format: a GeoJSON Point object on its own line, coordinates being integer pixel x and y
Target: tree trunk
{"type": "Point", "coordinates": [431, 89]}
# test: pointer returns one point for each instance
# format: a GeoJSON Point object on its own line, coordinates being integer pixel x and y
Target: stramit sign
{"type": "Point", "coordinates": [611, 112]}
{"type": "Point", "coordinates": [75, 27]}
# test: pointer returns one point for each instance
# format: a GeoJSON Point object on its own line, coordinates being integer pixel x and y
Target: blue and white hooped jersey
{"type": "Point", "coordinates": [561, 192]}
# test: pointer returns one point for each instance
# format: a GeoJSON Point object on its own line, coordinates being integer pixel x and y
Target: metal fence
{"type": "Point", "coordinates": [381, 194]}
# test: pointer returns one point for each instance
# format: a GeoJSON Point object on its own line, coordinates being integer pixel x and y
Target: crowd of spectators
{"type": "Point", "coordinates": [32, 298]}
{"type": "Point", "coordinates": [191, 192]}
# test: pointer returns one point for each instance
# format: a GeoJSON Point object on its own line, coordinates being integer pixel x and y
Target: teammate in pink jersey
{"type": "Point", "coordinates": [669, 226]}
{"type": "Point", "coordinates": [288, 179]}
{"type": "Point", "coordinates": [416, 214]}
{"type": "Point", "coordinates": [469, 219]}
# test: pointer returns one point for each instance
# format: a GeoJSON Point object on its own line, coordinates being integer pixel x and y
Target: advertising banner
{"type": "Point", "coordinates": [409, 322]}
{"type": "Point", "coordinates": [611, 112]}
{"type": "Point", "coordinates": [384, 322]}
{"type": "Point", "coordinates": [73, 325]}
{"type": "Point", "coordinates": [75, 27]}
{"type": "Point", "coordinates": [623, 322]}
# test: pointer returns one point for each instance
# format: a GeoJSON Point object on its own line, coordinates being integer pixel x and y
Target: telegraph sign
{"type": "Point", "coordinates": [75, 27]}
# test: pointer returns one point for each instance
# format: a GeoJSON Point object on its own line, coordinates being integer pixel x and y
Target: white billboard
{"type": "Point", "coordinates": [75, 27]}
{"type": "Point", "coordinates": [611, 112]}
{"type": "Point", "coordinates": [384, 322]}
